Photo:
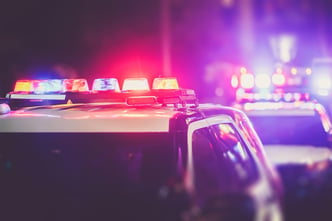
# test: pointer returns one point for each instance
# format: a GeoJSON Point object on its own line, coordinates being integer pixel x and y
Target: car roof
{"type": "Point", "coordinates": [87, 118]}
{"type": "Point", "coordinates": [282, 108]}
{"type": "Point", "coordinates": [101, 117]}
{"type": "Point", "coordinates": [288, 109]}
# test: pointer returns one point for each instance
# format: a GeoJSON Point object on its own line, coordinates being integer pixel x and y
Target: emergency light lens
{"type": "Point", "coordinates": [38, 86]}
{"type": "Point", "coordinates": [136, 84]}
{"type": "Point", "coordinates": [247, 81]}
{"type": "Point", "coordinates": [47, 86]}
{"type": "Point", "coordinates": [23, 86]}
{"type": "Point", "coordinates": [75, 85]}
{"type": "Point", "coordinates": [106, 84]}
{"type": "Point", "coordinates": [278, 79]}
{"type": "Point", "coordinates": [263, 81]}
{"type": "Point", "coordinates": [165, 84]}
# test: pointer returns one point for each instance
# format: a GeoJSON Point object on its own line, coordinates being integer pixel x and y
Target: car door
{"type": "Point", "coordinates": [223, 171]}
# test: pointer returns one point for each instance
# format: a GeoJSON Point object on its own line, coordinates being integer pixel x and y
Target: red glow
{"type": "Point", "coordinates": [143, 100]}
{"type": "Point", "coordinates": [136, 57]}
{"type": "Point", "coordinates": [75, 85]}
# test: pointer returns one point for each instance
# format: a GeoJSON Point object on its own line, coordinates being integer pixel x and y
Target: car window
{"type": "Point", "coordinates": [232, 146]}
{"type": "Point", "coordinates": [290, 130]}
{"type": "Point", "coordinates": [221, 161]}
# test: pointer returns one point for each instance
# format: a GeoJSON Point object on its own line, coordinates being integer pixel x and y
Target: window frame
{"type": "Point", "coordinates": [207, 123]}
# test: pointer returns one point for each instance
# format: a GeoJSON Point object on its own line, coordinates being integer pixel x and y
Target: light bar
{"type": "Point", "coordinates": [136, 91]}
{"type": "Point", "coordinates": [75, 85]}
{"type": "Point", "coordinates": [136, 84]}
{"type": "Point", "coordinates": [106, 84]}
{"type": "Point", "coordinates": [279, 105]}
{"type": "Point", "coordinates": [165, 84]}
{"type": "Point", "coordinates": [241, 95]}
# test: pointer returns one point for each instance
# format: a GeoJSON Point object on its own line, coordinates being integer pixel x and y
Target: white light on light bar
{"type": "Point", "coordinates": [106, 84]}
{"type": "Point", "coordinates": [247, 81]}
{"type": "Point", "coordinates": [136, 84]}
{"type": "Point", "coordinates": [278, 79]}
{"type": "Point", "coordinates": [262, 81]}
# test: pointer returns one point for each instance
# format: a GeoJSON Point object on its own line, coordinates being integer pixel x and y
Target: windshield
{"type": "Point", "coordinates": [290, 130]}
{"type": "Point", "coordinates": [59, 173]}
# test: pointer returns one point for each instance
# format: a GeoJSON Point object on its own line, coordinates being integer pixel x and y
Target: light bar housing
{"type": "Point", "coordinates": [135, 91]}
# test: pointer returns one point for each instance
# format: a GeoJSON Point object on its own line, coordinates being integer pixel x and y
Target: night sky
{"type": "Point", "coordinates": [84, 38]}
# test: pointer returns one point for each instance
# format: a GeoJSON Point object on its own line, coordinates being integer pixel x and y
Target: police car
{"type": "Point", "coordinates": [297, 138]}
{"type": "Point", "coordinates": [130, 154]}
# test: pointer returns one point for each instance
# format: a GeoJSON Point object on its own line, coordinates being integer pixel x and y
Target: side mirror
{"type": "Point", "coordinates": [4, 108]}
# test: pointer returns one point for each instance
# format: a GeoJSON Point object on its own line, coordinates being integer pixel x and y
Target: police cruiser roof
{"type": "Point", "coordinates": [104, 109]}
{"type": "Point", "coordinates": [87, 118]}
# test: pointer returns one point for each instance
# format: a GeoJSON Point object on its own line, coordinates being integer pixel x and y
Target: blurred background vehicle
{"type": "Point", "coordinates": [297, 138]}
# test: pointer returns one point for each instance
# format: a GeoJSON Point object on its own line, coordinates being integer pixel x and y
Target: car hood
{"type": "Point", "coordinates": [297, 154]}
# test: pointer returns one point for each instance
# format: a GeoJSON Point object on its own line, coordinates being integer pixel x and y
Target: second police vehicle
{"type": "Point", "coordinates": [296, 133]}
{"type": "Point", "coordinates": [133, 153]}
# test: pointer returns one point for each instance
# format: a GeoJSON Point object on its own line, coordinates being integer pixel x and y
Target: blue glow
{"type": "Point", "coordinates": [49, 86]}
{"type": "Point", "coordinates": [106, 84]}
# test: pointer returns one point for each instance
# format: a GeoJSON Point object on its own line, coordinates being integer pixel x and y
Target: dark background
{"type": "Point", "coordinates": [42, 38]}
